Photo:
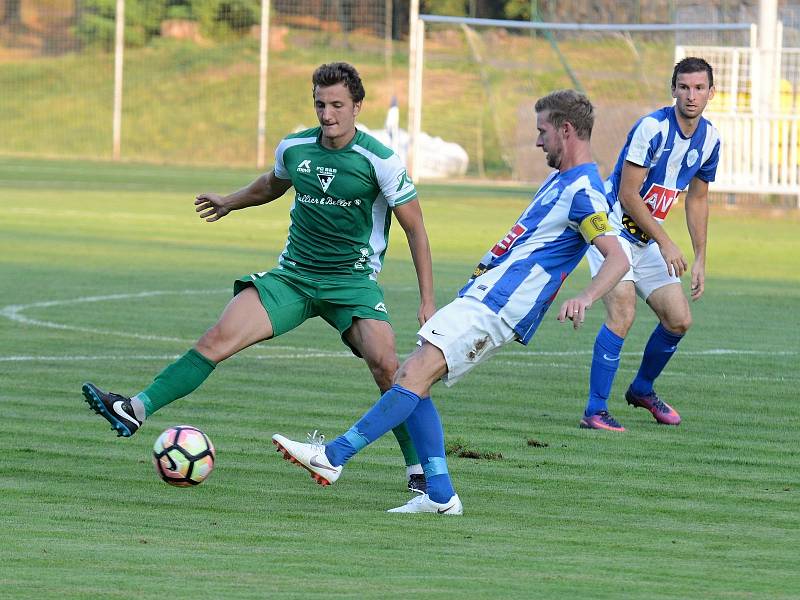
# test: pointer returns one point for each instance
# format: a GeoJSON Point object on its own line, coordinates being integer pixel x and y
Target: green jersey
{"type": "Point", "coordinates": [341, 213]}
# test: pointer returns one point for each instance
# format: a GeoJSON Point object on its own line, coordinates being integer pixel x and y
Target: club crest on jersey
{"type": "Point", "coordinates": [549, 197]}
{"type": "Point", "coordinates": [325, 176]}
{"type": "Point", "coordinates": [304, 167]}
{"type": "Point", "coordinates": [692, 157]}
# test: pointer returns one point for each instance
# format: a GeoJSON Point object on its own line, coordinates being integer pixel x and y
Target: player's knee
{"type": "Point", "coordinates": [422, 369]}
{"type": "Point", "coordinates": [678, 324]}
{"type": "Point", "coordinates": [621, 320]}
{"type": "Point", "coordinates": [403, 371]}
{"type": "Point", "coordinates": [383, 370]}
{"type": "Point", "coordinates": [411, 372]}
{"type": "Point", "coordinates": [214, 344]}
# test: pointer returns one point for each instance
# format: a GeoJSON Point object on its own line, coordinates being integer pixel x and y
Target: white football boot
{"type": "Point", "coordinates": [310, 456]}
{"type": "Point", "coordinates": [424, 504]}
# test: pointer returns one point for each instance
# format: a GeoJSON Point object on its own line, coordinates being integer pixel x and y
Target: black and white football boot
{"type": "Point", "coordinates": [114, 408]}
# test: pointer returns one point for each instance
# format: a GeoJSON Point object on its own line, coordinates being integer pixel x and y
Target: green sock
{"type": "Point", "coordinates": [177, 380]}
{"type": "Point", "coordinates": [406, 445]}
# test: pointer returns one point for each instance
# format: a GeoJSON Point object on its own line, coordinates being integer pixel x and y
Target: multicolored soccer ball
{"type": "Point", "coordinates": [183, 456]}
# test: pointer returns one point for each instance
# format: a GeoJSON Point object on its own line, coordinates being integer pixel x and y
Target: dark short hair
{"type": "Point", "coordinates": [571, 107]}
{"type": "Point", "coordinates": [339, 72]}
{"type": "Point", "coordinates": [692, 64]}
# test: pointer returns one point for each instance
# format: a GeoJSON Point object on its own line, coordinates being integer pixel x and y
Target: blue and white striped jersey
{"type": "Point", "coordinates": [519, 278]}
{"type": "Point", "coordinates": [657, 143]}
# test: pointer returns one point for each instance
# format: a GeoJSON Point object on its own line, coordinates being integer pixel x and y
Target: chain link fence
{"type": "Point", "coordinates": [190, 88]}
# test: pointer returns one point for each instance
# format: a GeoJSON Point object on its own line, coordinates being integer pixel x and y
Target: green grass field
{"type": "Point", "coordinates": [106, 274]}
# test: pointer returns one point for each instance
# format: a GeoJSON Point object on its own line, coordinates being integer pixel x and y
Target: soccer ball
{"type": "Point", "coordinates": [183, 456]}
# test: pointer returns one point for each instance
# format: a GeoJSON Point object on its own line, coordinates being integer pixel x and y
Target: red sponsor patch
{"type": "Point", "coordinates": [503, 245]}
{"type": "Point", "coordinates": [659, 200]}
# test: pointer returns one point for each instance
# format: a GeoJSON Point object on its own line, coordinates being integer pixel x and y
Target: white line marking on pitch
{"type": "Point", "coordinates": [14, 312]}
{"type": "Point", "coordinates": [303, 353]}
{"type": "Point", "coordinates": [347, 355]}
{"type": "Point", "coordinates": [91, 358]}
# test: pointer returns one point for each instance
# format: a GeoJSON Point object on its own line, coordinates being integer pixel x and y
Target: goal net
{"type": "Point", "coordinates": [481, 79]}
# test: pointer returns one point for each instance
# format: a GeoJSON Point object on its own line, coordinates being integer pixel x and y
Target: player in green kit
{"type": "Point", "coordinates": [347, 187]}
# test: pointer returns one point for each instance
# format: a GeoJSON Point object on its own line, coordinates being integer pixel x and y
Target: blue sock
{"type": "Point", "coordinates": [392, 409]}
{"type": "Point", "coordinates": [659, 349]}
{"type": "Point", "coordinates": [605, 362]}
{"type": "Point", "coordinates": [426, 430]}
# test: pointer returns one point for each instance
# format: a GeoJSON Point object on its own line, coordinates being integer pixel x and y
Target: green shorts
{"type": "Point", "coordinates": [291, 299]}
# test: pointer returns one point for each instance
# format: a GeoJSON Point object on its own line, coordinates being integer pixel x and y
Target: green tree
{"type": "Point", "coordinates": [96, 23]}
{"type": "Point", "coordinates": [452, 8]}
{"type": "Point", "coordinates": [217, 18]}
{"type": "Point", "coordinates": [519, 9]}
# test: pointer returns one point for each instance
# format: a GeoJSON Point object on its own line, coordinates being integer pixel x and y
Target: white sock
{"type": "Point", "coordinates": [138, 407]}
{"type": "Point", "coordinates": [414, 470]}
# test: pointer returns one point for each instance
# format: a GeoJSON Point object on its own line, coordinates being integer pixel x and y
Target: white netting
{"type": "Point", "coordinates": [480, 84]}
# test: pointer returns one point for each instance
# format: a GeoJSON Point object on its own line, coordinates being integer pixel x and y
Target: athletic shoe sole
{"type": "Point", "coordinates": [96, 403]}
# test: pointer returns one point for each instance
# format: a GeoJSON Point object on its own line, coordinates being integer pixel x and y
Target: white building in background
{"type": "Point", "coordinates": [438, 159]}
{"type": "Point", "coordinates": [756, 110]}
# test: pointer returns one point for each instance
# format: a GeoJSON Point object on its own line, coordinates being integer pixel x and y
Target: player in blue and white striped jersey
{"type": "Point", "coordinates": [504, 301]}
{"type": "Point", "coordinates": [668, 151]}
{"type": "Point", "coordinates": [519, 277]}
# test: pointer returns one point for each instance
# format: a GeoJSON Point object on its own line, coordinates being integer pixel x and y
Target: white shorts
{"type": "Point", "coordinates": [648, 270]}
{"type": "Point", "coordinates": [467, 332]}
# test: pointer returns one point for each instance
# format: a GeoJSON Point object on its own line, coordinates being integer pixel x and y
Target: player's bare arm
{"type": "Point", "coordinates": [614, 267]}
{"type": "Point", "coordinates": [633, 177]}
{"type": "Point", "coordinates": [266, 188]}
{"type": "Point", "coordinates": [697, 223]}
{"type": "Point", "coordinates": [409, 216]}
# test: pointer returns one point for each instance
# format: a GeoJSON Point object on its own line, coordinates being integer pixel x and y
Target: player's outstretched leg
{"type": "Point", "coordinates": [310, 456]}
{"type": "Point", "coordinates": [124, 416]}
{"type": "Point", "coordinates": [178, 379]}
{"type": "Point", "coordinates": [325, 461]}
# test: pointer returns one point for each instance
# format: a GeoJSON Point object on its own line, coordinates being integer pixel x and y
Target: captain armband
{"type": "Point", "coordinates": [594, 225]}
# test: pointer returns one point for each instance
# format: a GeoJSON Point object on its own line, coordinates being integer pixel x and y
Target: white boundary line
{"type": "Point", "coordinates": [91, 358]}
{"type": "Point", "coordinates": [301, 353]}
{"type": "Point", "coordinates": [14, 312]}
{"type": "Point", "coordinates": [583, 368]}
